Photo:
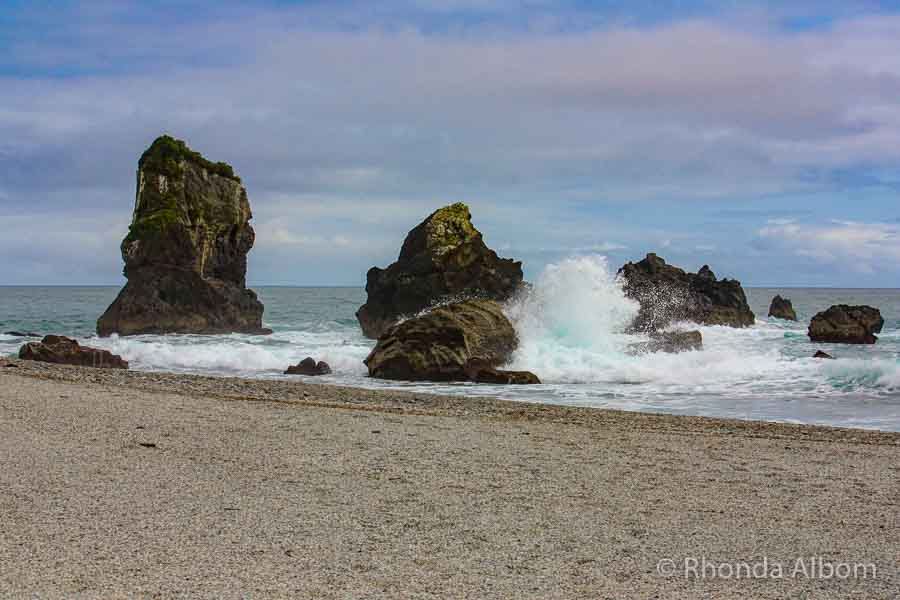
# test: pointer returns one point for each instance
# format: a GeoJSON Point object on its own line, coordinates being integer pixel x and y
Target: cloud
{"type": "Point", "coordinates": [353, 130]}
{"type": "Point", "coordinates": [866, 248]}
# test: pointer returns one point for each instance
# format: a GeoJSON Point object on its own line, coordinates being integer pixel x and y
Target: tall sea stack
{"type": "Point", "coordinates": [443, 259]}
{"type": "Point", "coordinates": [186, 250]}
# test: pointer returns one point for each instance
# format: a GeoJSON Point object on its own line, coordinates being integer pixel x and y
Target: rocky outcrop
{"type": "Point", "coordinates": [309, 366]}
{"type": "Point", "coordinates": [667, 294]}
{"type": "Point", "coordinates": [781, 308]}
{"type": "Point", "coordinates": [670, 342]}
{"type": "Point", "coordinates": [820, 354]}
{"type": "Point", "coordinates": [843, 324]}
{"type": "Point", "coordinates": [186, 250]}
{"type": "Point", "coordinates": [66, 351]}
{"type": "Point", "coordinates": [443, 259]}
{"type": "Point", "coordinates": [439, 345]}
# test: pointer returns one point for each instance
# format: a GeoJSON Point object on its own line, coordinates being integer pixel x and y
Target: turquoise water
{"type": "Point", "coordinates": [571, 337]}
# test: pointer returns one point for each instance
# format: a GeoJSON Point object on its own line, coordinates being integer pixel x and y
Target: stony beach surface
{"type": "Point", "coordinates": [149, 485]}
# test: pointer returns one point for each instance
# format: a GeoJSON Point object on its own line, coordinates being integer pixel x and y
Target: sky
{"type": "Point", "coordinates": [761, 138]}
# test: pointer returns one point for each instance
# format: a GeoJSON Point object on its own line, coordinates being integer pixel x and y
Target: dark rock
{"type": "Point", "coordinates": [668, 294]}
{"type": "Point", "coordinates": [22, 334]}
{"type": "Point", "coordinates": [309, 366]}
{"type": "Point", "coordinates": [443, 259]}
{"type": "Point", "coordinates": [781, 308]}
{"type": "Point", "coordinates": [186, 250]}
{"type": "Point", "coordinates": [843, 324]}
{"type": "Point", "coordinates": [66, 351]}
{"type": "Point", "coordinates": [669, 341]}
{"type": "Point", "coordinates": [480, 371]}
{"type": "Point", "coordinates": [820, 354]}
{"type": "Point", "coordinates": [438, 345]}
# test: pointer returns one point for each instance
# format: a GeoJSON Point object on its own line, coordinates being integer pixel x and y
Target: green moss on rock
{"type": "Point", "coordinates": [166, 154]}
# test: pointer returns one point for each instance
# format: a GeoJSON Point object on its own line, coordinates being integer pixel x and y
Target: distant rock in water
{"type": "Point", "coordinates": [22, 334]}
{"type": "Point", "coordinates": [671, 342]}
{"type": "Point", "coordinates": [309, 366]}
{"type": "Point", "coordinates": [66, 351]}
{"type": "Point", "coordinates": [667, 294]}
{"type": "Point", "coordinates": [441, 345]}
{"type": "Point", "coordinates": [443, 259]}
{"type": "Point", "coordinates": [186, 250]}
{"type": "Point", "coordinates": [843, 324]}
{"type": "Point", "coordinates": [820, 354]}
{"type": "Point", "coordinates": [781, 308]}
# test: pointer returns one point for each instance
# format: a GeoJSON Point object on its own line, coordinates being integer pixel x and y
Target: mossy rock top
{"type": "Point", "coordinates": [165, 155]}
{"type": "Point", "coordinates": [444, 230]}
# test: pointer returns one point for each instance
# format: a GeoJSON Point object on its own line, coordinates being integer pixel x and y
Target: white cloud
{"type": "Point", "coordinates": [866, 248]}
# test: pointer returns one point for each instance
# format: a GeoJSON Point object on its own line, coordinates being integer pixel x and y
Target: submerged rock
{"type": "Point", "coordinates": [480, 371]}
{"type": "Point", "coordinates": [66, 351]}
{"type": "Point", "coordinates": [186, 250]}
{"type": "Point", "coordinates": [668, 294]}
{"type": "Point", "coordinates": [820, 354]}
{"type": "Point", "coordinates": [671, 342]}
{"type": "Point", "coordinates": [438, 345]}
{"type": "Point", "coordinates": [444, 258]}
{"type": "Point", "coordinates": [309, 366]}
{"type": "Point", "coordinates": [22, 334]}
{"type": "Point", "coordinates": [843, 324]}
{"type": "Point", "coordinates": [781, 308]}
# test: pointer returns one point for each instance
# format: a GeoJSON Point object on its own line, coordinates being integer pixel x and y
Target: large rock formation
{"type": "Point", "coordinates": [186, 250]}
{"type": "Point", "coordinates": [444, 258]}
{"type": "Point", "coordinates": [781, 308]}
{"type": "Point", "coordinates": [456, 342]}
{"type": "Point", "coordinates": [842, 324]}
{"type": "Point", "coordinates": [66, 351]}
{"type": "Point", "coordinates": [667, 294]}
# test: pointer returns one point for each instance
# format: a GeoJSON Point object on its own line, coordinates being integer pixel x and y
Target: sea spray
{"type": "Point", "coordinates": [571, 323]}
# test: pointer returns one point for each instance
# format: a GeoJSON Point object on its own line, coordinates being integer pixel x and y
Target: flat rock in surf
{"type": "Point", "coordinates": [186, 249]}
{"type": "Point", "coordinates": [782, 308]}
{"type": "Point", "coordinates": [843, 324]}
{"type": "Point", "coordinates": [667, 294]}
{"type": "Point", "coordinates": [443, 259]}
{"type": "Point", "coordinates": [458, 342]}
{"type": "Point", "coordinates": [66, 351]}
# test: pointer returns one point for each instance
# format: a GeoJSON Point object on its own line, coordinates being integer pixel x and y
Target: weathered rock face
{"type": "Point", "coordinates": [66, 351]}
{"type": "Point", "coordinates": [668, 294]}
{"type": "Point", "coordinates": [438, 345]}
{"type": "Point", "coordinates": [186, 250]}
{"type": "Point", "coordinates": [309, 366]}
{"type": "Point", "coordinates": [444, 258]}
{"type": "Point", "coordinates": [843, 324]}
{"type": "Point", "coordinates": [671, 342]}
{"type": "Point", "coordinates": [781, 308]}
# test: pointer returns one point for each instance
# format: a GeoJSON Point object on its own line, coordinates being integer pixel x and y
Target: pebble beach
{"type": "Point", "coordinates": [123, 484]}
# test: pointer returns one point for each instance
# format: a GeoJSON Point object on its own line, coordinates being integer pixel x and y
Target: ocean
{"type": "Point", "coordinates": [570, 327]}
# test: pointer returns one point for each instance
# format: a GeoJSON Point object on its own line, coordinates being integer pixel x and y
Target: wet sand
{"type": "Point", "coordinates": [126, 484]}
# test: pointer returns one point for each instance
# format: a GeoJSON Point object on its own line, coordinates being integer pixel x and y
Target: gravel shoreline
{"type": "Point", "coordinates": [131, 484]}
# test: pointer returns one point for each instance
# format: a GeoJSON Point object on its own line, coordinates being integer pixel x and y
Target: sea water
{"type": "Point", "coordinates": [571, 328]}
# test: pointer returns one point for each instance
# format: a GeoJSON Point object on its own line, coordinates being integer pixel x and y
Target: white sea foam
{"type": "Point", "coordinates": [237, 354]}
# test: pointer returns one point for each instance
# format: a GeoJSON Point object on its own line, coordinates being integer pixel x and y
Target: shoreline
{"type": "Point", "coordinates": [147, 485]}
{"type": "Point", "coordinates": [301, 393]}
